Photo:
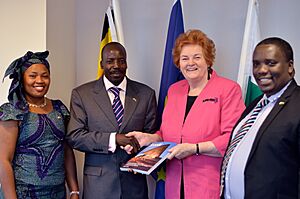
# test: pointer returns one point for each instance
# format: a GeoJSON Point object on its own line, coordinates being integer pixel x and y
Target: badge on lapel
{"type": "Point", "coordinates": [211, 100]}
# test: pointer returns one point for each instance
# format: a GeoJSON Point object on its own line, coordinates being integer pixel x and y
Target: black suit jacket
{"type": "Point", "coordinates": [92, 121]}
{"type": "Point", "coordinates": [272, 167]}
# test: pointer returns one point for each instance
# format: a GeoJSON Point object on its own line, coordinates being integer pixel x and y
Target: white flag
{"type": "Point", "coordinates": [251, 38]}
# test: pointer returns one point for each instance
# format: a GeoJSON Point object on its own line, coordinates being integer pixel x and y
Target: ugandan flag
{"type": "Point", "coordinates": [108, 35]}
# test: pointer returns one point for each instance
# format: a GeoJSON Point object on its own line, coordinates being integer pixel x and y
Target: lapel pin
{"type": "Point", "coordinates": [212, 100]}
{"type": "Point", "coordinates": [281, 103]}
{"type": "Point", "coordinates": [134, 99]}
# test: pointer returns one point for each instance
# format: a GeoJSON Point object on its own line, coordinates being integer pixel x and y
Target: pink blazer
{"type": "Point", "coordinates": [211, 118]}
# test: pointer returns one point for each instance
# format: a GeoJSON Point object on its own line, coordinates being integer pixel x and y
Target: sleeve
{"type": "Point", "coordinates": [9, 112]}
{"type": "Point", "coordinates": [79, 134]}
{"type": "Point", "coordinates": [64, 111]}
{"type": "Point", "coordinates": [231, 110]}
{"type": "Point", "coordinates": [112, 142]}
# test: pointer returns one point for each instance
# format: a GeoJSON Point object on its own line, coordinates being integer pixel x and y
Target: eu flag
{"type": "Point", "coordinates": [170, 75]}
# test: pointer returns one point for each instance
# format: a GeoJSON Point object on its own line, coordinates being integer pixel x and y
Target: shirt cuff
{"type": "Point", "coordinates": [112, 142]}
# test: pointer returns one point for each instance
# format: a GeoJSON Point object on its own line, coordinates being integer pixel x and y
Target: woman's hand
{"type": "Point", "coordinates": [141, 137]}
{"type": "Point", "coordinates": [181, 151]}
{"type": "Point", "coordinates": [144, 139]}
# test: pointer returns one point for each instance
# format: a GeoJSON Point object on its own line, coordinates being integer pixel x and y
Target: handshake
{"type": "Point", "coordinates": [133, 141]}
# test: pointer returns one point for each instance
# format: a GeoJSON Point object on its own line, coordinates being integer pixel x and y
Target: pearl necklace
{"type": "Point", "coordinates": [38, 106]}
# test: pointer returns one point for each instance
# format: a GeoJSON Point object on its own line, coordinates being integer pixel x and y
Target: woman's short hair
{"type": "Point", "coordinates": [195, 37]}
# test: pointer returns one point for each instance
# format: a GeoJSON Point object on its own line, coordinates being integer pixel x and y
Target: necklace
{"type": "Point", "coordinates": [38, 106]}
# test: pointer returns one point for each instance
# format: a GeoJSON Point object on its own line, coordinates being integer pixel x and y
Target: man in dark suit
{"type": "Point", "coordinates": [98, 131]}
{"type": "Point", "coordinates": [263, 157]}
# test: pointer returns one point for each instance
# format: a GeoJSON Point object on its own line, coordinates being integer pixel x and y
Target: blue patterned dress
{"type": "Point", "coordinates": [39, 157]}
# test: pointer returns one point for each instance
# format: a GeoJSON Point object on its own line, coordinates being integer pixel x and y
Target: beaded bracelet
{"type": "Point", "coordinates": [74, 192]}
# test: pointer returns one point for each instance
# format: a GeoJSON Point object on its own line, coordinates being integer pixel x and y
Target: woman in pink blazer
{"type": "Point", "coordinates": [199, 115]}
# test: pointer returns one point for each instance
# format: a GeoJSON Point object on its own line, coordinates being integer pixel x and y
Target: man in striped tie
{"type": "Point", "coordinates": [262, 159]}
{"type": "Point", "coordinates": [102, 112]}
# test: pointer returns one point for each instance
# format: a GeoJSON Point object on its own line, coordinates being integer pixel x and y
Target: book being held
{"type": "Point", "coordinates": [149, 158]}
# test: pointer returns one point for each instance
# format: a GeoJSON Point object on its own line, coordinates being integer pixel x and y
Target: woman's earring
{"type": "Point", "coordinates": [209, 71]}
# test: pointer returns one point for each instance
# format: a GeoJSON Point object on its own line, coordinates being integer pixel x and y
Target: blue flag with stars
{"type": "Point", "coordinates": [170, 75]}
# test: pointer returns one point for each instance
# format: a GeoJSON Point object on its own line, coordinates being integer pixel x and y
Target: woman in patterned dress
{"type": "Point", "coordinates": [35, 160]}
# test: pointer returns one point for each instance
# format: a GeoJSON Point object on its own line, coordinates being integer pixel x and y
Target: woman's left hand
{"type": "Point", "coordinates": [181, 151]}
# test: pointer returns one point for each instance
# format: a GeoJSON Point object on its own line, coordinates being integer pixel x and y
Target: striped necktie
{"type": "Point", "coordinates": [239, 136]}
{"type": "Point", "coordinates": [117, 105]}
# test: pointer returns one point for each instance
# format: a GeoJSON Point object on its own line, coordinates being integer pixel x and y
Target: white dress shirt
{"type": "Point", "coordinates": [112, 138]}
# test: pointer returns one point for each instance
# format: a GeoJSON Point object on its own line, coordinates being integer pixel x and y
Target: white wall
{"type": "Point", "coordinates": [280, 18]}
{"type": "Point", "coordinates": [61, 43]}
{"type": "Point", "coordinates": [23, 28]}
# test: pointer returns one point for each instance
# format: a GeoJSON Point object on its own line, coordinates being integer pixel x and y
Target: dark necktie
{"type": "Point", "coordinates": [117, 105]}
{"type": "Point", "coordinates": [239, 136]}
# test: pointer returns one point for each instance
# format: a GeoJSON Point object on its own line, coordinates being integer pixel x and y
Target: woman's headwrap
{"type": "Point", "coordinates": [15, 72]}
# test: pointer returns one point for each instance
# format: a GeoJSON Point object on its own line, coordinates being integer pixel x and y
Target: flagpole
{"type": "Point", "coordinates": [182, 8]}
{"type": "Point", "coordinates": [118, 21]}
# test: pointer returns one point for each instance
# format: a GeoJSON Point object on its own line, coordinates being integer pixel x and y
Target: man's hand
{"type": "Point", "coordinates": [123, 140]}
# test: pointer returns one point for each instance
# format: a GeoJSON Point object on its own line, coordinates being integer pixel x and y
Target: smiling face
{"type": "Point", "coordinates": [271, 68]}
{"type": "Point", "coordinates": [114, 63]}
{"type": "Point", "coordinates": [36, 81]}
{"type": "Point", "coordinates": [192, 63]}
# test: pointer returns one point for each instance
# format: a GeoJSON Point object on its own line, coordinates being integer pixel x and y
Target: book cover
{"type": "Point", "coordinates": [149, 158]}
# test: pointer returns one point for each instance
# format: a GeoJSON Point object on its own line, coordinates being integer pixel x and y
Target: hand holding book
{"type": "Point", "coordinates": [181, 151]}
{"type": "Point", "coordinates": [149, 158]}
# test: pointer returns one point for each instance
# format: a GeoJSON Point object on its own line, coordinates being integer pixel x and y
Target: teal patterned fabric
{"type": "Point", "coordinates": [39, 157]}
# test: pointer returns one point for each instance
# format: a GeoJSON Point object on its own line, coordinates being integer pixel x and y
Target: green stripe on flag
{"type": "Point", "coordinates": [253, 92]}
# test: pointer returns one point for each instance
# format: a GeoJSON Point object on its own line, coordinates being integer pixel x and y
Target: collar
{"type": "Point", "coordinates": [277, 95]}
{"type": "Point", "coordinates": [108, 84]}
